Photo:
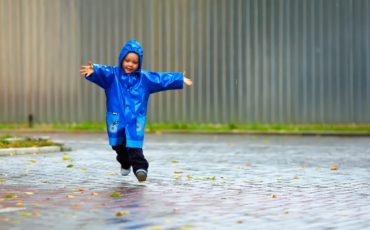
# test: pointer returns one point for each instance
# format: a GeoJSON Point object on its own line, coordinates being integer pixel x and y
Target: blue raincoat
{"type": "Point", "coordinates": [127, 96]}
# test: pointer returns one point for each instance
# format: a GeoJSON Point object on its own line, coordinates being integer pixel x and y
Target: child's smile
{"type": "Point", "coordinates": [130, 63]}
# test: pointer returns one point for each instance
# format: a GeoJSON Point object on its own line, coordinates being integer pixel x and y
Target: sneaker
{"type": "Point", "coordinates": [141, 175]}
{"type": "Point", "coordinates": [125, 172]}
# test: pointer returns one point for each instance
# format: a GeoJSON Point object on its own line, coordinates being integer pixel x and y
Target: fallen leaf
{"type": "Point", "coordinates": [20, 204]}
{"type": "Point", "coordinates": [188, 227]}
{"type": "Point", "coordinates": [25, 214]}
{"type": "Point", "coordinates": [177, 177]}
{"type": "Point", "coordinates": [156, 228]}
{"type": "Point", "coordinates": [70, 166]}
{"type": "Point", "coordinates": [178, 172]}
{"type": "Point", "coordinates": [273, 196]}
{"type": "Point", "coordinates": [66, 158]}
{"type": "Point", "coordinates": [11, 196]}
{"type": "Point", "coordinates": [33, 161]}
{"type": "Point", "coordinates": [77, 204]}
{"type": "Point", "coordinates": [189, 176]}
{"type": "Point", "coordinates": [115, 194]}
{"type": "Point", "coordinates": [175, 161]}
{"type": "Point", "coordinates": [266, 142]}
{"type": "Point", "coordinates": [4, 219]}
{"type": "Point", "coordinates": [334, 167]}
{"type": "Point", "coordinates": [122, 213]}
{"type": "Point", "coordinates": [36, 214]}
{"type": "Point", "coordinates": [15, 221]}
{"type": "Point", "coordinates": [2, 180]}
{"type": "Point", "coordinates": [95, 194]}
{"type": "Point", "coordinates": [295, 177]}
{"type": "Point", "coordinates": [28, 193]}
{"type": "Point", "coordinates": [70, 196]}
{"type": "Point", "coordinates": [79, 190]}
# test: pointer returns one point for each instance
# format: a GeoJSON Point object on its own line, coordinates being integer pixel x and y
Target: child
{"type": "Point", "coordinates": [127, 89]}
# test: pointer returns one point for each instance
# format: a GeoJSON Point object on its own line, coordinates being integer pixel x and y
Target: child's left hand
{"type": "Point", "coordinates": [187, 81]}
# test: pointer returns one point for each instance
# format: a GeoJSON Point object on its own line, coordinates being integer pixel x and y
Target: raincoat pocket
{"type": "Point", "coordinates": [114, 125]}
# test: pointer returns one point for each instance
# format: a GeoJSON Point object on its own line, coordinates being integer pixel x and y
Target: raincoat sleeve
{"type": "Point", "coordinates": [160, 81]}
{"type": "Point", "coordinates": [102, 76]}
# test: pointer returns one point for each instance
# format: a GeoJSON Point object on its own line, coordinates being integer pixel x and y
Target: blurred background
{"type": "Point", "coordinates": [252, 61]}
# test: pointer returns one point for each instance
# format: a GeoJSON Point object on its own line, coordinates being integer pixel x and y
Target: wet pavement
{"type": "Point", "coordinates": [194, 182]}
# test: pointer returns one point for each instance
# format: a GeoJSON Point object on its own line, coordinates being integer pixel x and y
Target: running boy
{"type": "Point", "coordinates": [127, 89]}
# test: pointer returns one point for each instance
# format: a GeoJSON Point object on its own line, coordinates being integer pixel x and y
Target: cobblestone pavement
{"type": "Point", "coordinates": [195, 182]}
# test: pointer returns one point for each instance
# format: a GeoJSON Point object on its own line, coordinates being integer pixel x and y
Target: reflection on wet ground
{"type": "Point", "coordinates": [195, 182]}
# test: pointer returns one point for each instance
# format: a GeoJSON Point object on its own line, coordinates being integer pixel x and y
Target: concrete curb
{"type": "Point", "coordinates": [31, 150]}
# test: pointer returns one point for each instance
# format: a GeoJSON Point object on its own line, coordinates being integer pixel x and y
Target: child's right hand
{"type": "Point", "coordinates": [87, 70]}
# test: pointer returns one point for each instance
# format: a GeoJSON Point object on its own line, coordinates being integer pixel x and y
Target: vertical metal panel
{"type": "Point", "coordinates": [252, 61]}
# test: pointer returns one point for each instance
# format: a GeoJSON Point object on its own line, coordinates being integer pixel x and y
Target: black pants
{"type": "Point", "coordinates": [131, 157]}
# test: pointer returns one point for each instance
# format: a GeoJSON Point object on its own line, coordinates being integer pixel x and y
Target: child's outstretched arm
{"type": "Point", "coordinates": [160, 81]}
{"type": "Point", "coordinates": [99, 74]}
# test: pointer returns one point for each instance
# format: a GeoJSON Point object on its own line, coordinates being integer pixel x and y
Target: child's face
{"type": "Point", "coordinates": [130, 63]}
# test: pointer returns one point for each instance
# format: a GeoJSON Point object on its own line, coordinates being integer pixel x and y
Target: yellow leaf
{"type": "Point", "coordinates": [11, 196]}
{"type": "Point", "coordinates": [122, 213]}
{"type": "Point", "coordinates": [188, 227]}
{"type": "Point", "coordinates": [115, 194]}
{"type": "Point", "coordinates": [66, 158]}
{"type": "Point", "coordinates": [20, 204]}
{"type": "Point", "coordinates": [178, 171]}
{"type": "Point", "coordinates": [334, 167]}
{"type": "Point", "coordinates": [2, 180]}
{"type": "Point", "coordinates": [25, 214]}
{"type": "Point", "coordinates": [178, 177]}
{"type": "Point", "coordinates": [33, 161]}
{"type": "Point", "coordinates": [95, 194]}
{"type": "Point", "coordinates": [175, 161]}
{"type": "Point", "coordinates": [28, 193]}
{"type": "Point", "coordinates": [77, 204]}
{"type": "Point", "coordinates": [189, 176]}
{"type": "Point", "coordinates": [156, 228]}
{"type": "Point", "coordinates": [70, 196]}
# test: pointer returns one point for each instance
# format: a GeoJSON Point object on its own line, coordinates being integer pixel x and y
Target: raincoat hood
{"type": "Point", "coordinates": [131, 46]}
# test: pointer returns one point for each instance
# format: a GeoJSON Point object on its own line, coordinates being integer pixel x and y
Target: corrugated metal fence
{"type": "Point", "coordinates": [260, 61]}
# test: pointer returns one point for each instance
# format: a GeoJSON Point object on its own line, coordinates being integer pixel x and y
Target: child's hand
{"type": "Point", "coordinates": [87, 70]}
{"type": "Point", "coordinates": [187, 81]}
